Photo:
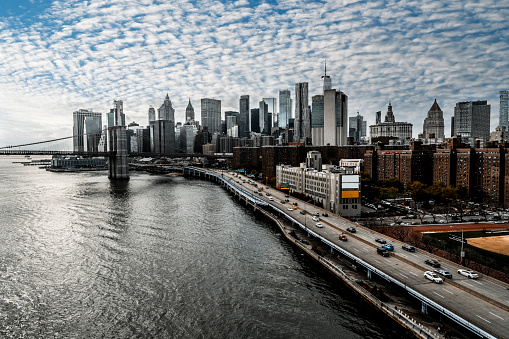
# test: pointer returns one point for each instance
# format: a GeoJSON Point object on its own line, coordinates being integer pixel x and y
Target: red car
{"type": "Point", "coordinates": [342, 237]}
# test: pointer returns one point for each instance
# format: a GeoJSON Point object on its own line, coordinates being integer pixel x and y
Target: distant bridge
{"type": "Point", "coordinates": [113, 153]}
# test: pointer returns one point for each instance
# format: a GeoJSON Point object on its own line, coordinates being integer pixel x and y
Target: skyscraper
{"type": "Point", "coordinates": [166, 111]}
{"type": "Point", "coordinates": [357, 128]}
{"type": "Point", "coordinates": [162, 130]}
{"type": "Point", "coordinates": [472, 120]}
{"type": "Point", "coordinates": [189, 111]}
{"type": "Point", "coordinates": [211, 114]}
{"type": "Point", "coordinates": [285, 108]}
{"type": "Point", "coordinates": [255, 120]}
{"type": "Point", "coordinates": [504, 109]}
{"type": "Point", "coordinates": [433, 127]}
{"type": "Point", "coordinates": [243, 121]}
{"type": "Point", "coordinates": [317, 120]}
{"type": "Point", "coordinates": [326, 80]}
{"type": "Point", "coordinates": [264, 122]}
{"type": "Point", "coordinates": [302, 113]}
{"type": "Point", "coordinates": [272, 109]}
{"type": "Point", "coordinates": [335, 118]}
{"type": "Point", "coordinates": [87, 129]}
{"type": "Point", "coordinates": [151, 114]}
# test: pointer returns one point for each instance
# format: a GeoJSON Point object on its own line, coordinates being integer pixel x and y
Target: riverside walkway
{"type": "Point", "coordinates": [479, 305]}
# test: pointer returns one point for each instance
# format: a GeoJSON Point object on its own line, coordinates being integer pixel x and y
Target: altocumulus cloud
{"type": "Point", "coordinates": [84, 54]}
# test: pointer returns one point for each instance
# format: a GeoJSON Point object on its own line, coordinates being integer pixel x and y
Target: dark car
{"type": "Point", "coordinates": [303, 212]}
{"type": "Point", "coordinates": [351, 229]}
{"type": "Point", "coordinates": [443, 272]}
{"type": "Point", "coordinates": [432, 262]}
{"type": "Point", "coordinates": [325, 214]}
{"type": "Point", "coordinates": [408, 248]}
{"type": "Point", "coordinates": [380, 240]}
{"type": "Point", "coordinates": [382, 251]}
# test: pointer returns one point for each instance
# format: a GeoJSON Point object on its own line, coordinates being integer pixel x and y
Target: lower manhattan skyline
{"type": "Point", "coordinates": [59, 57]}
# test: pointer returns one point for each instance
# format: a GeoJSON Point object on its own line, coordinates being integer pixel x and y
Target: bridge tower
{"type": "Point", "coordinates": [118, 166]}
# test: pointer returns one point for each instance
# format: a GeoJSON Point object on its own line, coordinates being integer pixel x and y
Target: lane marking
{"type": "Point", "coordinates": [441, 296]}
{"type": "Point", "coordinates": [468, 284]}
{"type": "Point", "coordinates": [378, 261]}
{"type": "Point", "coordinates": [447, 290]}
{"type": "Point", "coordinates": [356, 250]}
{"type": "Point", "coordinates": [480, 283]}
{"type": "Point", "coordinates": [493, 314]}
{"type": "Point", "coordinates": [403, 275]}
{"type": "Point", "coordinates": [414, 274]}
{"type": "Point", "coordinates": [489, 322]}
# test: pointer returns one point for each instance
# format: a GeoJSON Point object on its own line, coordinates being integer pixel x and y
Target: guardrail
{"type": "Point", "coordinates": [425, 300]}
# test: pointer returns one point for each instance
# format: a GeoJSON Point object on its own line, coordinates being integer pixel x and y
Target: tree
{"type": "Point", "coordinates": [418, 191]}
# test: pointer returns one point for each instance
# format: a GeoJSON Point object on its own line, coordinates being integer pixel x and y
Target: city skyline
{"type": "Point", "coordinates": [63, 56]}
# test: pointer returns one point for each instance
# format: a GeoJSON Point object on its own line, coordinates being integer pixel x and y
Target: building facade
{"type": "Point", "coordinates": [433, 127]}
{"type": "Point", "coordinates": [302, 127]}
{"type": "Point", "coordinates": [243, 121]}
{"type": "Point", "coordinates": [87, 130]}
{"type": "Point", "coordinates": [390, 129]}
{"type": "Point", "coordinates": [504, 109]}
{"type": "Point", "coordinates": [472, 121]}
{"type": "Point", "coordinates": [211, 114]}
{"type": "Point", "coordinates": [335, 120]}
{"type": "Point", "coordinates": [285, 108]}
{"type": "Point", "coordinates": [317, 120]}
{"type": "Point", "coordinates": [357, 129]}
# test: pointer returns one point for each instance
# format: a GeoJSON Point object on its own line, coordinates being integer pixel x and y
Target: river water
{"type": "Point", "coordinates": [157, 257]}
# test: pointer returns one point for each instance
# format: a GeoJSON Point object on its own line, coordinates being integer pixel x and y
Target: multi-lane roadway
{"type": "Point", "coordinates": [482, 302]}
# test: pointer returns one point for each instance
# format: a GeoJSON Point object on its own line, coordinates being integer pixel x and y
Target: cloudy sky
{"type": "Point", "coordinates": [57, 57]}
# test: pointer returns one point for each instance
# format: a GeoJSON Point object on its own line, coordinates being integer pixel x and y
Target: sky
{"type": "Point", "coordinates": [60, 56]}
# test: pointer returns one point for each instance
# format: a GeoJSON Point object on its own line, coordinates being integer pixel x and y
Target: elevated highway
{"type": "Point", "coordinates": [481, 306]}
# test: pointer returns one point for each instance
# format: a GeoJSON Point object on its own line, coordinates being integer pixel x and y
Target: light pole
{"type": "Point", "coordinates": [462, 253]}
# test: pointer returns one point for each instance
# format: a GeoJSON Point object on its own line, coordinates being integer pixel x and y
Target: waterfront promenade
{"type": "Point", "coordinates": [480, 305]}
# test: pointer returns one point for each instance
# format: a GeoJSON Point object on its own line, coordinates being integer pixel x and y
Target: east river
{"type": "Point", "coordinates": [157, 257]}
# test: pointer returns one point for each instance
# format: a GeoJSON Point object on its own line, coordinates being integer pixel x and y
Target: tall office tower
{"type": "Point", "coordinates": [166, 111]}
{"type": "Point", "coordinates": [472, 120]}
{"type": "Point", "coordinates": [187, 138]}
{"type": "Point", "coordinates": [264, 122]}
{"type": "Point", "coordinates": [317, 120]}
{"type": "Point", "coordinates": [378, 117]}
{"type": "Point", "coordinates": [326, 80]}
{"type": "Point", "coordinates": [162, 130]}
{"type": "Point", "coordinates": [255, 120]}
{"type": "Point", "coordinates": [285, 108]}
{"type": "Point", "coordinates": [357, 128]}
{"type": "Point", "coordinates": [243, 120]}
{"type": "Point", "coordinates": [189, 111]}
{"type": "Point", "coordinates": [433, 127]}
{"type": "Point", "coordinates": [335, 120]}
{"type": "Point", "coordinates": [86, 129]}
{"type": "Point", "coordinates": [211, 114]}
{"type": "Point", "coordinates": [272, 108]}
{"type": "Point", "coordinates": [504, 109]}
{"type": "Point", "coordinates": [302, 113]}
{"type": "Point", "coordinates": [151, 114]}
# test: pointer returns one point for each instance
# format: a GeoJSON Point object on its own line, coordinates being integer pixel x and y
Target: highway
{"type": "Point", "coordinates": [482, 302]}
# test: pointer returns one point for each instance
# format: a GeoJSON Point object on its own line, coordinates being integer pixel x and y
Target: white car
{"type": "Point", "coordinates": [467, 273]}
{"type": "Point", "coordinates": [319, 225]}
{"type": "Point", "coordinates": [271, 199]}
{"type": "Point", "coordinates": [290, 209]}
{"type": "Point", "coordinates": [315, 219]}
{"type": "Point", "coordinates": [433, 277]}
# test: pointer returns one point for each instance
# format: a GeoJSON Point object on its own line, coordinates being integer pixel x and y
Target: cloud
{"type": "Point", "coordinates": [86, 54]}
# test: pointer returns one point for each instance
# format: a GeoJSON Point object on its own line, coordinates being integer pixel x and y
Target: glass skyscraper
{"type": "Point", "coordinates": [504, 109]}
{"type": "Point", "coordinates": [285, 108]}
{"type": "Point", "coordinates": [211, 114]}
{"type": "Point", "coordinates": [243, 121]}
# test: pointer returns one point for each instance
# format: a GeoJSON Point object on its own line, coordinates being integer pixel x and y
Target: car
{"type": "Point", "coordinates": [382, 251]}
{"type": "Point", "coordinates": [260, 194]}
{"type": "Point", "coordinates": [380, 240]}
{"type": "Point", "coordinates": [271, 199]}
{"type": "Point", "coordinates": [469, 274]}
{"type": "Point", "coordinates": [287, 196]}
{"type": "Point", "coordinates": [325, 214]}
{"type": "Point", "coordinates": [295, 204]}
{"type": "Point", "coordinates": [408, 248]}
{"type": "Point", "coordinates": [432, 262]}
{"type": "Point", "coordinates": [351, 229]}
{"type": "Point", "coordinates": [342, 237]}
{"type": "Point", "coordinates": [433, 277]}
{"type": "Point", "coordinates": [267, 194]}
{"type": "Point", "coordinates": [443, 272]}
{"type": "Point", "coordinates": [290, 209]}
{"type": "Point", "coordinates": [315, 218]}
{"type": "Point", "coordinates": [319, 225]}
{"type": "Point", "coordinates": [282, 201]}
{"type": "Point", "coordinates": [317, 214]}
{"type": "Point", "coordinates": [287, 200]}
{"type": "Point", "coordinates": [303, 212]}
{"type": "Point", "coordinates": [389, 247]}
